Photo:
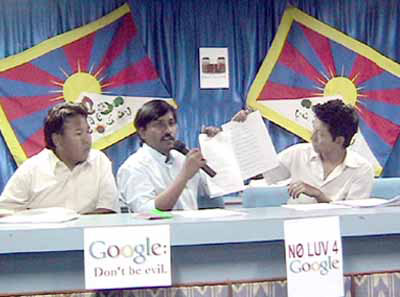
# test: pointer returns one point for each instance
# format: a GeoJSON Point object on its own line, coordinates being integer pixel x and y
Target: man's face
{"type": "Point", "coordinates": [160, 134]}
{"type": "Point", "coordinates": [322, 139]}
{"type": "Point", "coordinates": [73, 145]}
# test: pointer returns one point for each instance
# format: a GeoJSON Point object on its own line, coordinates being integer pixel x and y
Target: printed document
{"type": "Point", "coordinates": [242, 150]}
{"type": "Point", "coordinates": [371, 202]}
{"type": "Point", "coordinates": [40, 215]}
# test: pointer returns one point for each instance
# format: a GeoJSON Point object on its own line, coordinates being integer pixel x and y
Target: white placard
{"type": "Point", "coordinates": [314, 261]}
{"type": "Point", "coordinates": [214, 67]}
{"type": "Point", "coordinates": [122, 257]}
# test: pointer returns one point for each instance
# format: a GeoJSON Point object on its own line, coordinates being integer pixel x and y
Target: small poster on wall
{"type": "Point", "coordinates": [214, 67]}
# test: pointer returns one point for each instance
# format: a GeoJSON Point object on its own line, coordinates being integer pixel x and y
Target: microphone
{"type": "Point", "coordinates": [181, 147]}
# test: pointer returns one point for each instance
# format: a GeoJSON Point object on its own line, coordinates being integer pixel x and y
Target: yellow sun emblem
{"type": "Point", "coordinates": [78, 82]}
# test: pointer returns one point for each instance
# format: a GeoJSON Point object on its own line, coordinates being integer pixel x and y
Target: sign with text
{"type": "Point", "coordinates": [214, 67]}
{"type": "Point", "coordinates": [132, 256]}
{"type": "Point", "coordinates": [314, 261]}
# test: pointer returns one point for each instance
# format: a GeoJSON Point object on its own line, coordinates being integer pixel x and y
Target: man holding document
{"type": "Point", "coordinates": [325, 170]}
{"type": "Point", "coordinates": [158, 176]}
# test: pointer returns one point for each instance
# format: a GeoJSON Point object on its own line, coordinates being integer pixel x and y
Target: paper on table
{"type": "Point", "coordinates": [41, 215]}
{"type": "Point", "coordinates": [5, 212]}
{"type": "Point", "coordinates": [314, 206]}
{"type": "Point", "coordinates": [207, 213]}
{"type": "Point", "coordinates": [371, 202]}
{"type": "Point", "coordinates": [252, 145]}
{"type": "Point", "coordinates": [218, 152]}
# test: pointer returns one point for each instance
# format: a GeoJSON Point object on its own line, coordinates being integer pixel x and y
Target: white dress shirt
{"type": "Point", "coordinates": [45, 181]}
{"type": "Point", "coordinates": [147, 173]}
{"type": "Point", "coordinates": [353, 179]}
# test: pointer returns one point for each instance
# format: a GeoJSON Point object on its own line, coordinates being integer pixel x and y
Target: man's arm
{"type": "Point", "coordinates": [361, 186]}
{"type": "Point", "coordinates": [16, 194]}
{"type": "Point", "coordinates": [167, 199]}
{"type": "Point", "coordinates": [100, 211]}
{"type": "Point", "coordinates": [136, 186]}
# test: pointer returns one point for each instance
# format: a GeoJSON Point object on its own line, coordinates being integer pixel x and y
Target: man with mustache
{"type": "Point", "coordinates": [325, 170]}
{"type": "Point", "coordinates": [67, 173]}
{"type": "Point", "coordinates": [156, 176]}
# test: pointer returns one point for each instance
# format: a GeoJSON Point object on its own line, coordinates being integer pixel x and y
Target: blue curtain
{"type": "Point", "coordinates": [172, 32]}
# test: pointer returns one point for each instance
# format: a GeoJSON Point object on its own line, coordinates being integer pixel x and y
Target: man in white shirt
{"type": "Point", "coordinates": [67, 173]}
{"type": "Point", "coordinates": [324, 170]}
{"type": "Point", "coordinates": [156, 176]}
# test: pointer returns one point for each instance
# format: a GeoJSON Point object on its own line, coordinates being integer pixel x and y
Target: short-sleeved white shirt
{"type": "Point", "coordinates": [353, 179]}
{"type": "Point", "coordinates": [147, 173]}
{"type": "Point", "coordinates": [45, 181]}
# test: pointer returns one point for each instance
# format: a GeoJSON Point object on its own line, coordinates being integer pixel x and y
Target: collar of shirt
{"type": "Point", "coordinates": [55, 161]}
{"type": "Point", "coordinates": [349, 161]}
{"type": "Point", "coordinates": [163, 159]}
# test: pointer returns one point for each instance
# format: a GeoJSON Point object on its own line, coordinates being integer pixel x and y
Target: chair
{"type": "Point", "coordinates": [265, 196]}
{"type": "Point", "coordinates": [386, 187]}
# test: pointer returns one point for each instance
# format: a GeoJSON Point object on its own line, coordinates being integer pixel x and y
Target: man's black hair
{"type": "Point", "coordinates": [151, 111]}
{"type": "Point", "coordinates": [56, 117]}
{"type": "Point", "coordinates": [341, 119]}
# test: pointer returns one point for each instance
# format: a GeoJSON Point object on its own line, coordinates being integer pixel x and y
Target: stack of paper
{"type": "Point", "coordinates": [207, 213]}
{"type": "Point", "coordinates": [40, 215]}
{"type": "Point", "coordinates": [5, 212]}
{"type": "Point", "coordinates": [371, 202]}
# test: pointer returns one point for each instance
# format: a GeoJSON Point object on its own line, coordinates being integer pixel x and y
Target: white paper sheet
{"type": "Point", "coordinates": [219, 155]}
{"type": "Point", "coordinates": [240, 151]}
{"type": "Point", "coordinates": [40, 216]}
{"type": "Point", "coordinates": [314, 206]}
{"type": "Point", "coordinates": [371, 202]}
{"type": "Point", "coordinates": [207, 213]}
{"type": "Point", "coordinates": [252, 145]}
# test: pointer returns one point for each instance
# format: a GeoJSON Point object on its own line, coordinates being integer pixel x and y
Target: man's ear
{"type": "Point", "coordinates": [340, 140]}
{"type": "Point", "coordinates": [56, 139]}
{"type": "Point", "coordinates": [141, 133]}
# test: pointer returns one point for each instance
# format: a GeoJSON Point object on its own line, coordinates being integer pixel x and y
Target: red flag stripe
{"type": "Point", "coordinates": [322, 47]}
{"type": "Point", "coordinates": [34, 144]}
{"type": "Point", "coordinates": [364, 69]}
{"type": "Point", "coordinates": [124, 35]}
{"type": "Point", "coordinates": [136, 73]}
{"type": "Point", "coordinates": [29, 73]}
{"type": "Point", "coordinates": [279, 91]}
{"type": "Point", "coordinates": [79, 51]}
{"type": "Point", "coordinates": [386, 129]}
{"type": "Point", "coordinates": [295, 60]}
{"type": "Point", "coordinates": [19, 107]}
{"type": "Point", "coordinates": [388, 96]}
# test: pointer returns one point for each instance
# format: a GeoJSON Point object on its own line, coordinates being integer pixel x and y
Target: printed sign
{"type": "Point", "coordinates": [127, 257]}
{"type": "Point", "coordinates": [214, 67]}
{"type": "Point", "coordinates": [314, 261]}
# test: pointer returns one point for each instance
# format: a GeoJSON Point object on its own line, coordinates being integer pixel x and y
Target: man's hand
{"type": "Point", "coordinates": [241, 116]}
{"type": "Point", "coordinates": [194, 161]}
{"type": "Point", "coordinates": [211, 131]}
{"type": "Point", "coordinates": [296, 188]}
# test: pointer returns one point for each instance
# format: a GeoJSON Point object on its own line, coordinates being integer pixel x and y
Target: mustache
{"type": "Point", "coordinates": [168, 137]}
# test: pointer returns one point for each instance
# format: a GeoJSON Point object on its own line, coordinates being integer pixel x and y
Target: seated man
{"type": "Point", "coordinates": [156, 176]}
{"type": "Point", "coordinates": [67, 173]}
{"type": "Point", "coordinates": [324, 170]}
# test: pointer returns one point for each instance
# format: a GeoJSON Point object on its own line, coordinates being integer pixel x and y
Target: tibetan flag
{"type": "Point", "coordinates": [110, 117]}
{"type": "Point", "coordinates": [310, 62]}
{"type": "Point", "coordinates": [103, 57]}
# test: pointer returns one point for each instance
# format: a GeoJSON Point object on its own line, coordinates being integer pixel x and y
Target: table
{"type": "Point", "coordinates": [248, 247]}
